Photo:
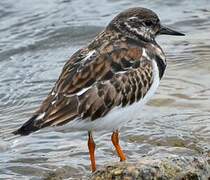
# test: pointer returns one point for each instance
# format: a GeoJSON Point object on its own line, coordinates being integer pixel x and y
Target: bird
{"type": "Point", "coordinates": [106, 83]}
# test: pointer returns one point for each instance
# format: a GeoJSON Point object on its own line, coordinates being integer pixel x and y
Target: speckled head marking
{"type": "Point", "coordinates": [140, 24]}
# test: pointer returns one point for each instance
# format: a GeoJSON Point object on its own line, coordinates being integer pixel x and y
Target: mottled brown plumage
{"type": "Point", "coordinates": [116, 73]}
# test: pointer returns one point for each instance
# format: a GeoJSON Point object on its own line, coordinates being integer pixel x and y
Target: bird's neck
{"type": "Point", "coordinates": [161, 66]}
{"type": "Point", "coordinates": [156, 53]}
{"type": "Point", "coordinates": [105, 37]}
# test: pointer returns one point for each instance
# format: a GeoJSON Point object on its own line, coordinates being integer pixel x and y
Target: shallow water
{"type": "Point", "coordinates": [37, 37]}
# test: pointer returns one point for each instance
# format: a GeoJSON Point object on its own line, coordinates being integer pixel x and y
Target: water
{"type": "Point", "coordinates": [37, 37]}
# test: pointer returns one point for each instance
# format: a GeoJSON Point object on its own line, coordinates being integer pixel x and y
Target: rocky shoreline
{"type": "Point", "coordinates": [161, 166]}
{"type": "Point", "coordinates": [162, 163]}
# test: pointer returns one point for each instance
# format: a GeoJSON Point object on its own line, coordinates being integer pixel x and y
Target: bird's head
{"type": "Point", "coordinates": [140, 23]}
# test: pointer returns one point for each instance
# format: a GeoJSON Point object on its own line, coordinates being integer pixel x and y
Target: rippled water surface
{"type": "Point", "coordinates": [37, 37]}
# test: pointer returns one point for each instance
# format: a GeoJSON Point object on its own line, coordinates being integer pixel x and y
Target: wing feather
{"type": "Point", "coordinates": [115, 75]}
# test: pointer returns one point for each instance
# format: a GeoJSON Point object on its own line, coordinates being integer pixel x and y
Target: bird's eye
{"type": "Point", "coordinates": [148, 23]}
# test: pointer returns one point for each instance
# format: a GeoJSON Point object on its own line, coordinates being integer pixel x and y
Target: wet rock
{"type": "Point", "coordinates": [62, 173]}
{"type": "Point", "coordinates": [160, 165]}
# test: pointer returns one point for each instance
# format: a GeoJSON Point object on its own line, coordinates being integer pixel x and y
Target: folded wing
{"type": "Point", "coordinates": [91, 84]}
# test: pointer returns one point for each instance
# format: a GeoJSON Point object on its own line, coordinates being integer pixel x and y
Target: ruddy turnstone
{"type": "Point", "coordinates": [104, 85]}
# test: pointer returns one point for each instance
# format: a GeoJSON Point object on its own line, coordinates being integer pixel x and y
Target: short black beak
{"type": "Point", "coordinates": [167, 31]}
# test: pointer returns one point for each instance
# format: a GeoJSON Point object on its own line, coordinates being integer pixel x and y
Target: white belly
{"type": "Point", "coordinates": [118, 116]}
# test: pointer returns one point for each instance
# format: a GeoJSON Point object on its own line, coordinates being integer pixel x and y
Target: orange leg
{"type": "Point", "coordinates": [91, 147]}
{"type": "Point", "coordinates": [115, 141]}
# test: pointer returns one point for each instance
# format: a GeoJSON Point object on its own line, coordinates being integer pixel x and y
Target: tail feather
{"type": "Point", "coordinates": [28, 127]}
{"type": "Point", "coordinates": [61, 112]}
